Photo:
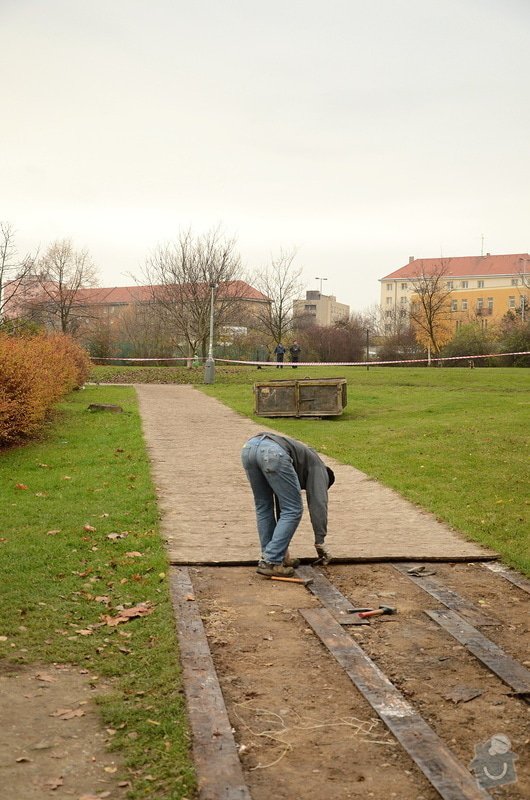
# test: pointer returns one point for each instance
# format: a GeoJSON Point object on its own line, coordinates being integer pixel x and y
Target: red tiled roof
{"type": "Point", "coordinates": [124, 295]}
{"type": "Point", "coordinates": [465, 266]}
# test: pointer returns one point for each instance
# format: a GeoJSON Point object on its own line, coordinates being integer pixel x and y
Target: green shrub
{"type": "Point", "coordinates": [35, 372]}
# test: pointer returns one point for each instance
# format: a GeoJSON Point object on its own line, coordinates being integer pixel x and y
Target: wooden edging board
{"type": "Point", "coordinates": [446, 596]}
{"type": "Point", "coordinates": [219, 772]}
{"type": "Point", "coordinates": [188, 561]}
{"type": "Point", "coordinates": [330, 597]}
{"type": "Point", "coordinates": [504, 666]}
{"type": "Point", "coordinates": [510, 575]}
{"type": "Point", "coordinates": [443, 770]}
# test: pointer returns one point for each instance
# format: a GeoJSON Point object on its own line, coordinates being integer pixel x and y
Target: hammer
{"type": "Point", "coordinates": [377, 612]}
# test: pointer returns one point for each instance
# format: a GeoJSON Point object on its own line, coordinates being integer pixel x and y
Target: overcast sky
{"type": "Point", "coordinates": [358, 132]}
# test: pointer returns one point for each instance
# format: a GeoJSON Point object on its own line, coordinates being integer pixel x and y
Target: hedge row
{"type": "Point", "coordinates": [35, 372]}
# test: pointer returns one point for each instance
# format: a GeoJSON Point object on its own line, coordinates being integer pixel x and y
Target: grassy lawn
{"type": "Point", "coordinates": [58, 577]}
{"type": "Point", "coordinates": [454, 441]}
{"type": "Point", "coordinates": [79, 538]}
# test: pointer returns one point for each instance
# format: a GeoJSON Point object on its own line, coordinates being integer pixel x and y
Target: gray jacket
{"type": "Point", "coordinates": [313, 477]}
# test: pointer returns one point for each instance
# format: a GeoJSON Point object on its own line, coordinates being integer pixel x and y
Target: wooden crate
{"type": "Point", "coordinates": [307, 397]}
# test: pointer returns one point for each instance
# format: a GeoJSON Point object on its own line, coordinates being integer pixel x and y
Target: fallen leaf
{"type": "Point", "coordinates": [41, 494]}
{"type": "Point", "coordinates": [89, 528]}
{"type": "Point", "coordinates": [22, 759]}
{"type": "Point", "coordinates": [54, 783]}
{"type": "Point", "coordinates": [45, 676]}
{"type": "Point", "coordinates": [153, 722]}
{"type": "Point", "coordinates": [68, 713]}
{"type": "Point", "coordinates": [115, 536]}
{"type": "Point", "coordinates": [462, 694]}
{"type": "Point", "coordinates": [111, 769]}
{"type": "Point", "coordinates": [85, 632]}
{"type": "Point", "coordinates": [53, 532]}
{"type": "Point", "coordinates": [66, 478]}
{"type": "Point", "coordinates": [44, 465]}
{"type": "Point", "coordinates": [101, 599]}
{"type": "Point", "coordinates": [190, 597]}
{"type": "Point", "coordinates": [134, 554]}
{"type": "Point", "coordinates": [21, 486]}
{"type": "Point", "coordinates": [104, 515]}
{"type": "Point", "coordinates": [3, 638]}
{"type": "Point", "coordinates": [141, 610]}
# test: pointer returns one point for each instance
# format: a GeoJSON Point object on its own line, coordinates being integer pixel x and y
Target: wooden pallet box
{"type": "Point", "coordinates": [306, 397]}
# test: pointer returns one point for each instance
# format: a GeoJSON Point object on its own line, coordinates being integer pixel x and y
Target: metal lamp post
{"type": "Point", "coordinates": [525, 286]}
{"type": "Point", "coordinates": [321, 279]}
{"type": "Point", "coordinates": [209, 367]}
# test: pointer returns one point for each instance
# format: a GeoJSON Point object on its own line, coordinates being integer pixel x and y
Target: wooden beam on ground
{"type": "Point", "coordinates": [330, 597]}
{"type": "Point", "coordinates": [510, 575]}
{"type": "Point", "coordinates": [446, 596]}
{"type": "Point", "coordinates": [219, 772]}
{"type": "Point", "coordinates": [442, 769]}
{"type": "Point", "coordinates": [504, 666]}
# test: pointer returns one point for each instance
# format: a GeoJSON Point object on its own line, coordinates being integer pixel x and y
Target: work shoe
{"type": "Point", "coordinates": [291, 562]}
{"type": "Point", "coordinates": [276, 570]}
{"type": "Point", "coordinates": [287, 561]}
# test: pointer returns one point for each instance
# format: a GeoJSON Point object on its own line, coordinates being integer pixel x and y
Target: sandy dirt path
{"type": "Point", "coordinates": [206, 505]}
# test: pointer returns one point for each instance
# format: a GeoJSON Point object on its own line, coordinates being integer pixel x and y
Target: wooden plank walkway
{"type": "Point", "coordinates": [219, 771]}
{"type": "Point", "coordinates": [448, 775]}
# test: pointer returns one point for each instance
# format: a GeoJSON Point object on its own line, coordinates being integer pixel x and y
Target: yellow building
{"type": "Point", "coordinates": [481, 288]}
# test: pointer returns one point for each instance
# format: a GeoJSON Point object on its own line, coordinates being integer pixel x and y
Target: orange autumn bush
{"type": "Point", "coordinates": [36, 372]}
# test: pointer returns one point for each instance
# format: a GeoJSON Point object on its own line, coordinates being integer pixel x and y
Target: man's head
{"type": "Point", "coordinates": [331, 477]}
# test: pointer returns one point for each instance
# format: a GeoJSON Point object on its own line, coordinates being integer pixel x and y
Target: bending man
{"type": "Point", "coordinates": [280, 467]}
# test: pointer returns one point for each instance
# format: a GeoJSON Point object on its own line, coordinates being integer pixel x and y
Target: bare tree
{"type": "Point", "coordinates": [430, 306]}
{"type": "Point", "coordinates": [14, 270]}
{"type": "Point", "coordinates": [281, 282]}
{"type": "Point", "coordinates": [62, 272]}
{"type": "Point", "coordinates": [181, 276]}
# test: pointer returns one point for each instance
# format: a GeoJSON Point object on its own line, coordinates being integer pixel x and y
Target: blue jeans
{"type": "Point", "coordinates": [270, 472]}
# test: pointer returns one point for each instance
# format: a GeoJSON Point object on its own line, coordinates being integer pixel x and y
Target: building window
{"type": "Point", "coordinates": [480, 303]}
{"type": "Point", "coordinates": [524, 304]}
{"type": "Point", "coordinates": [464, 305]}
{"type": "Point", "coordinates": [388, 313]}
{"type": "Point", "coordinates": [389, 301]}
{"type": "Point", "coordinates": [403, 301]}
{"type": "Point", "coordinates": [511, 301]}
{"type": "Point", "coordinates": [515, 281]}
{"type": "Point", "coordinates": [389, 287]}
{"type": "Point", "coordinates": [449, 284]}
{"type": "Point", "coordinates": [463, 284]}
{"type": "Point", "coordinates": [480, 284]}
{"type": "Point", "coordinates": [403, 287]}
{"type": "Point", "coordinates": [454, 305]}
{"type": "Point", "coordinates": [490, 303]}
{"type": "Point", "coordinates": [310, 309]}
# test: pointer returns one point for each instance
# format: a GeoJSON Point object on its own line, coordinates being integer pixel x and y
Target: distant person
{"type": "Point", "coordinates": [279, 352]}
{"type": "Point", "coordinates": [295, 351]}
{"type": "Point", "coordinates": [279, 468]}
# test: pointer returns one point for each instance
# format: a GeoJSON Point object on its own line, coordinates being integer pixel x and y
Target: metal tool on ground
{"type": "Point", "coordinates": [302, 581]}
{"type": "Point", "coordinates": [377, 612]}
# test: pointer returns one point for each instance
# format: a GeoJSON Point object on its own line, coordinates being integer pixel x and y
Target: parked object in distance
{"type": "Point", "coordinates": [307, 397]}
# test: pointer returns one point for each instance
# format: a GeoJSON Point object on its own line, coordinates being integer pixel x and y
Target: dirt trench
{"type": "Point", "coordinates": [302, 728]}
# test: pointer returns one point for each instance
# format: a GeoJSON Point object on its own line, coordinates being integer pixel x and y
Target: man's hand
{"type": "Point", "coordinates": [324, 556]}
